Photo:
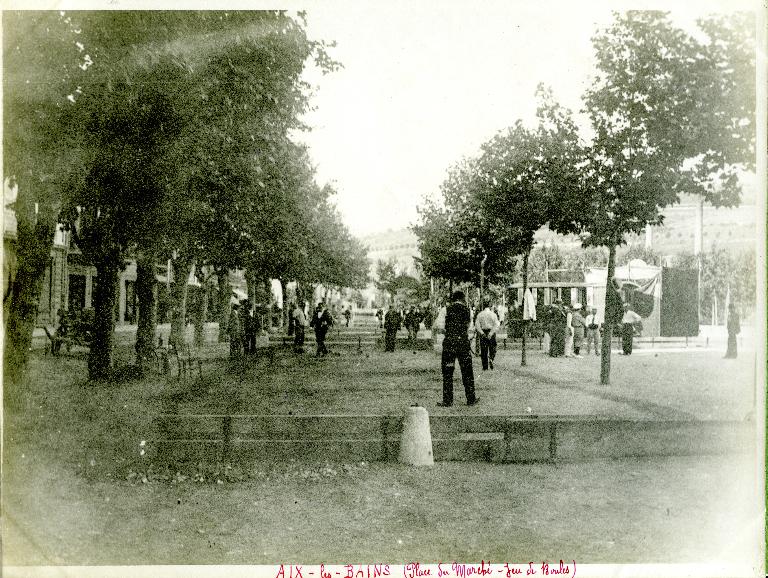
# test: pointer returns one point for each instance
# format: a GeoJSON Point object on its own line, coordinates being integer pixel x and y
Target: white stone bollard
{"type": "Point", "coordinates": [416, 439]}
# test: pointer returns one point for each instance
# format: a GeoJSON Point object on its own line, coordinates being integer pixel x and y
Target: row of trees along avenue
{"type": "Point", "coordinates": [671, 113]}
{"type": "Point", "coordinates": [163, 135]}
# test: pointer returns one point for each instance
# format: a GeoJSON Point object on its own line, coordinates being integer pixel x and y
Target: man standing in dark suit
{"type": "Point", "coordinates": [322, 321]}
{"type": "Point", "coordinates": [456, 346]}
{"type": "Point", "coordinates": [250, 326]}
{"type": "Point", "coordinates": [391, 326]}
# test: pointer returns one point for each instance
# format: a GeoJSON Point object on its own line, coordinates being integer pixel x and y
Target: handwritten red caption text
{"type": "Point", "coordinates": [418, 570]}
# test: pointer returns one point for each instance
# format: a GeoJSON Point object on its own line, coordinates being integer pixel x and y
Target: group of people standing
{"type": "Point", "coordinates": [243, 327]}
{"type": "Point", "coordinates": [567, 328]}
{"type": "Point", "coordinates": [321, 321]}
{"type": "Point", "coordinates": [397, 318]}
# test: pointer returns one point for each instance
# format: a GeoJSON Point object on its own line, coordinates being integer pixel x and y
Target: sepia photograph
{"type": "Point", "coordinates": [368, 289]}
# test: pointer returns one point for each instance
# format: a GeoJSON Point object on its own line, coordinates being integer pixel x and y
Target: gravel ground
{"type": "Point", "coordinates": [74, 494]}
{"type": "Point", "coordinates": [624, 511]}
{"type": "Point", "coordinates": [691, 385]}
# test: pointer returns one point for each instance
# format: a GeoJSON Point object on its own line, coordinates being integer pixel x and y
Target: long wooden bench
{"type": "Point", "coordinates": [186, 360]}
{"type": "Point", "coordinates": [495, 438]}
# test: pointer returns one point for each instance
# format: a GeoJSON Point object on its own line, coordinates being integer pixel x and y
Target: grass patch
{"type": "Point", "coordinates": [77, 489]}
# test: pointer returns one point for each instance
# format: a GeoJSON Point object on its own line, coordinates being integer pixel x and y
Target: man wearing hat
{"type": "Point", "coordinates": [593, 331]}
{"type": "Point", "coordinates": [299, 328]}
{"type": "Point", "coordinates": [487, 324]}
{"type": "Point", "coordinates": [235, 332]}
{"type": "Point", "coordinates": [392, 322]}
{"type": "Point", "coordinates": [628, 321]}
{"type": "Point", "coordinates": [579, 328]}
{"type": "Point", "coordinates": [558, 318]}
{"type": "Point", "coordinates": [456, 346]}
{"type": "Point", "coordinates": [321, 322]}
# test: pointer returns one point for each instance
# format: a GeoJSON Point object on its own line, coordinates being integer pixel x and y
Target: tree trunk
{"type": "Point", "coordinates": [284, 290]}
{"type": "Point", "coordinates": [610, 305]}
{"type": "Point", "coordinates": [271, 303]}
{"type": "Point", "coordinates": [250, 285]}
{"type": "Point", "coordinates": [300, 294]}
{"type": "Point", "coordinates": [147, 318]}
{"type": "Point", "coordinates": [20, 303]}
{"type": "Point", "coordinates": [224, 292]}
{"type": "Point", "coordinates": [178, 294]}
{"type": "Point", "coordinates": [201, 313]}
{"type": "Point", "coordinates": [525, 323]}
{"type": "Point", "coordinates": [103, 333]}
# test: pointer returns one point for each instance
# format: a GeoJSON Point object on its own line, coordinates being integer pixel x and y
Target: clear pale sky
{"type": "Point", "coordinates": [425, 83]}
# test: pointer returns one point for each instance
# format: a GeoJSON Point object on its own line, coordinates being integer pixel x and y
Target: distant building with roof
{"type": "Point", "coordinates": [731, 228]}
{"type": "Point", "coordinates": [398, 245]}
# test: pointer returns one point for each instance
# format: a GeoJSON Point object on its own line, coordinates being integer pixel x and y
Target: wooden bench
{"type": "Point", "coordinates": [186, 360]}
{"type": "Point", "coordinates": [58, 340]}
{"type": "Point", "coordinates": [495, 438]}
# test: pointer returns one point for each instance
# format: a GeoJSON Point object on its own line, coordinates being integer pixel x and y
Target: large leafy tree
{"type": "Point", "coordinates": [243, 193]}
{"type": "Point", "coordinates": [522, 172]}
{"type": "Point", "coordinates": [336, 258]}
{"type": "Point", "coordinates": [140, 131]}
{"type": "Point", "coordinates": [45, 65]}
{"type": "Point", "coordinates": [179, 132]}
{"type": "Point", "coordinates": [671, 114]}
{"type": "Point", "coordinates": [127, 123]}
{"type": "Point", "coordinates": [458, 240]}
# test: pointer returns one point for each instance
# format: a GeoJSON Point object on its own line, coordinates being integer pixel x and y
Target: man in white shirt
{"type": "Point", "coordinates": [628, 321]}
{"type": "Point", "coordinates": [487, 324]}
{"type": "Point", "coordinates": [299, 327]}
{"type": "Point", "coordinates": [593, 331]}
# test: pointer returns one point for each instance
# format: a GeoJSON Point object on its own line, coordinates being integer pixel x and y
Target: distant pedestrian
{"type": "Point", "coordinates": [322, 320]}
{"type": "Point", "coordinates": [347, 315]}
{"type": "Point", "coordinates": [487, 324]}
{"type": "Point", "coordinates": [628, 321]}
{"type": "Point", "coordinates": [291, 307]}
{"type": "Point", "coordinates": [568, 332]}
{"type": "Point", "coordinates": [380, 317]}
{"type": "Point", "coordinates": [557, 326]}
{"type": "Point", "coordinates": [734, 328]}
{"type": "Point", "coordinates": [299, 327]}
{"type": "Point", "coordinates": [456, 346]}
{"type": "Point", "coordinates": [593, 331]}
{"type": "Point", "coordinates": [579, 329]}
{"type": "Point", "coordinates": [427, 316]}
{"type": "Point", "coordinates": [234, 330]}
{"type": "Point", "coordinates": [412, 320]}
{"type": "Point", "coordinates": [250, 326]}
{"type": "Point", "coordinates": [392, 321]}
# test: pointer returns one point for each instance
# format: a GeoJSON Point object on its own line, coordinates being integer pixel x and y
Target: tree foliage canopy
{"type": "Point", "coordinates": [186, 127]}
{"type": "Point", "coordinates": [671, 115]}
{"type": "Point", "coordinates": [171, 133]}
{"type": "Point", "coordinates": [456, 235]}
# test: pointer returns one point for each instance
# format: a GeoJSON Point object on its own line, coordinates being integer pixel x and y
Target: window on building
{"type": "Point", "coordinates": [76, 295]}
